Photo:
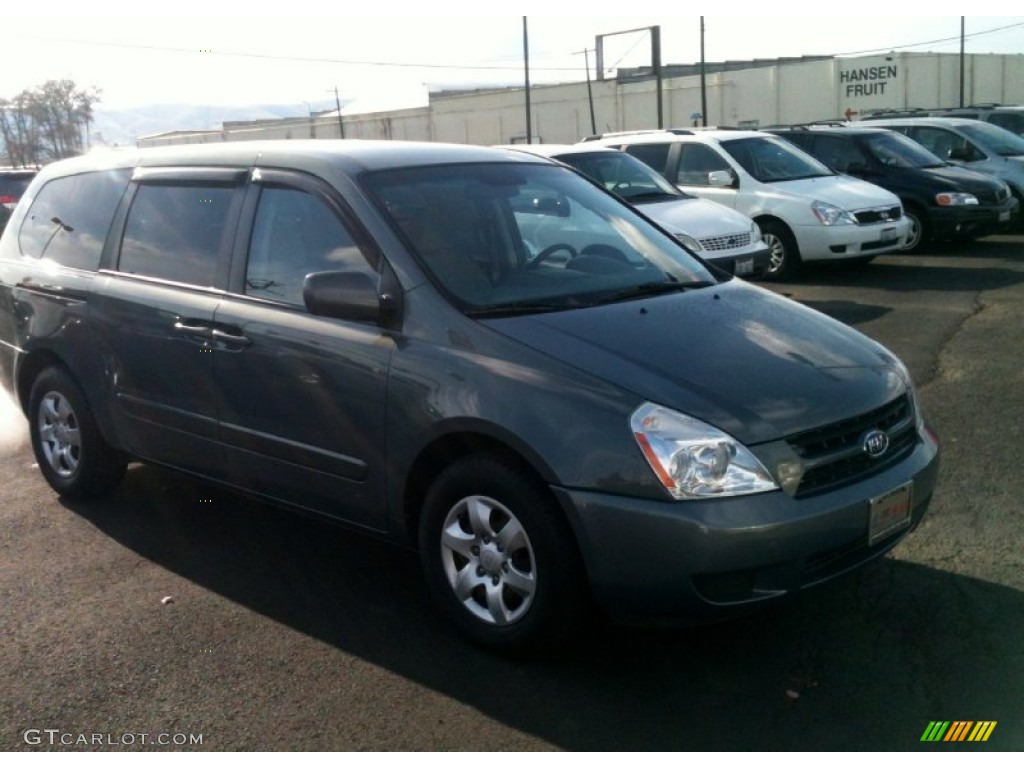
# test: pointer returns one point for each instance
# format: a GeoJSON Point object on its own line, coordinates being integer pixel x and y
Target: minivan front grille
{"type": "Point", "coordinates": [993, 198]}
{"type": "Point", "coordinates": [727, 242]}
{"type": "Point", "coordinates": [877, 215]}
{"type": "Point", "coordinates": [836, 455]}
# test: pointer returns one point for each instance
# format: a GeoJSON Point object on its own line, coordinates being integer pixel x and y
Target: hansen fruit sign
{"type": "Point", "coordinates": [866, 81]}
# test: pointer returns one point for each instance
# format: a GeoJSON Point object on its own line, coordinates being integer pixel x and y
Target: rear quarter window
{"type": "Point", "coordinates": [655, 155]}
{"type": "Point", "coordinates": [70, 217]}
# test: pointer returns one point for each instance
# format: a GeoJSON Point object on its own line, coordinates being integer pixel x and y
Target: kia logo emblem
{"type": "Point", "coordinates": [875, 443]}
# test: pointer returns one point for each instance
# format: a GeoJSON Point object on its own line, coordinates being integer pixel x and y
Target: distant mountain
{"type": "Point", "coordinates": [121, 127]}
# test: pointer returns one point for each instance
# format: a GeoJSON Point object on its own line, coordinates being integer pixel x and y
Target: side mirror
{"type": "Point", "coordinates": [963, 154]}
{"type": "Point", "coordinates": [722, 179]}
{"type": "Point", "coordinates": [348, 295]}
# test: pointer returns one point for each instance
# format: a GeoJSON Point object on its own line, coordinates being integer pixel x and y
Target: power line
{"type": "Point", "coordinates": [932, 42]}
{"type": "Point", "coordinates": [416, 65]}
{"type": "Point", "coordinates": [306, 59]}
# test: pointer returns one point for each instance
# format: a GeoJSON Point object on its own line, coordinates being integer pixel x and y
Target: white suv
{"type": "Point", "coordinates": [806, 211]}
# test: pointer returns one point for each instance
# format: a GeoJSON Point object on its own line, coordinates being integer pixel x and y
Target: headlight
{"type": "Point", "coordinates": [694, 460]}
{"type": "Point", "coordinates": [830, 215]}
{"type": "Point", "coordinates": [688, 241]}
{"type": "Point", "coordinates": [755, 233]}
{"type": "Point", "coordinates": [955, 198]}
{"type": "Point", "coordinates": [909, 380]}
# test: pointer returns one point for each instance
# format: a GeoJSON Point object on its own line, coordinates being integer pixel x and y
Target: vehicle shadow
{"type": "Point", "coordinates": [950, 268]}
{"type": "Point", "coordinates": [863, 665]}
{"type": "Point", "coordinates": [849, 312]}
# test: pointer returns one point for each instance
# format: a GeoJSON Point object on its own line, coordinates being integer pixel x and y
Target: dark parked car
{"type": "Point", "coordinates": [13, 183]}
{"type": "Point", "coordinates": [942, 200]}
{"type": "Point", "coordinates": [979, 146]}
{"type": "Point", "coordinates": [359, 330]}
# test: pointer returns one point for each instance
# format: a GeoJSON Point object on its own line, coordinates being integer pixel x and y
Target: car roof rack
{"type": "Point", "coordinates": [640, 132]}
{"type": "Point", "coordinates": [831, 123]}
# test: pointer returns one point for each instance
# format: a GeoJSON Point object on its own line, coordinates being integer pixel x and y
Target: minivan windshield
{"type": "Point", "coordinates": [997, 139]}
{"type": "Point", "coordinates": [769, 159]}
{"type": "Point", "coordinates": [894, 150]}
{"type": "Point", "coordinates": [621, 173]}
{"type": "Point", "coordinates": [518, 238]}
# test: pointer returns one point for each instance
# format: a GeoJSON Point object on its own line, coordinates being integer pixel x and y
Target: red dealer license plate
{"type": "Point", "coordinates": [890, 513]}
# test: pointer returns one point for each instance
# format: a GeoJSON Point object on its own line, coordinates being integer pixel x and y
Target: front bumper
{"type": "Point", "coordinates": [751, 263]}
{"type": "Point", "coordinates": [971, 221]}
{"type": "Point", "coordinates": [847, 241]}
{"type": "Point", "coordinates": [681, 562]}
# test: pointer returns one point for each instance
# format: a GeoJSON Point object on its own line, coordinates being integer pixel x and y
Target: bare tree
{"type": "Point", "coordinates": [48, 122]}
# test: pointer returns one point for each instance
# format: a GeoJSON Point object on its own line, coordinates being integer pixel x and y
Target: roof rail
{"type": "Point", "coordinates": [612, 134]}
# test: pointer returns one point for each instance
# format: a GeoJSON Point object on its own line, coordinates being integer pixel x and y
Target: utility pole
{"type": "Point", "coordinates": [703, 80]}
{"type": "Point", "coordinates": [526, 66]}
{"type": "Point", "coordinates": [590, 91]}
{"type": "Point", "coordinates": [656, 55]}
{"type": "Point", "coordinates": [341, 125]}
{"type": "Point", "coordinates": [961, 61]}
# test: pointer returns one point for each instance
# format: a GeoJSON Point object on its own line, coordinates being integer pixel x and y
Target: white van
{"type": "Point", "coordinates": [806, 211]}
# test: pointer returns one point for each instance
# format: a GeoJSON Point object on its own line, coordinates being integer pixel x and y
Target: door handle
{"type": "Point", "coordinates": [236, 339]}
{"type": "Point", "coordinates": [186, 327]}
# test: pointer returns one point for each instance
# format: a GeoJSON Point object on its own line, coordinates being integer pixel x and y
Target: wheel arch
{"type": "Point", "coordinates": [772, 219]}
{"type": "Point", "coordinates": [29, 369]}
{"type": "Point", "coordinates": [460, 441]}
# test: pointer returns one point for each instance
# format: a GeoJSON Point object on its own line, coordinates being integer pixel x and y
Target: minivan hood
{"type": "Point", "coordinates": [844, 191]}
{"type": "Point", "coordinates": [951, 178]}
{"type": "Point", "coordinates": [697, 218]}
{"type": "Point", "coordinates": [756, 365]}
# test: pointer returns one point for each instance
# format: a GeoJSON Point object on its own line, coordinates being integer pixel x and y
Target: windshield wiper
{"type": "Point", "coordinates": [521, 308]}
{"type": "Point", "coordinates": [651, 289]}
{"type": "Point", "coordinates": [649, 196]}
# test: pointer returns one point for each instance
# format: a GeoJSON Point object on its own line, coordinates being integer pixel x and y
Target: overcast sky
{"type": "Point", "coordinates": [193, 57]}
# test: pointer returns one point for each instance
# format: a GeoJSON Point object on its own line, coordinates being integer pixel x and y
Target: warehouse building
{"type": "Point", "coordinates": [743, 94]}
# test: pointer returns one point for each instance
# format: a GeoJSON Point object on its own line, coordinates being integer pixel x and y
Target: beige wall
{"type": "Point", "coordinates": [792, 92]}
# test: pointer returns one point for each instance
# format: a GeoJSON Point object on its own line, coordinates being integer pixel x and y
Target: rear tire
{"type": "Point", "coordinates": [72, 454]}
{"type": "Point", "coordinates": [783, 254]}
{"type": "Point", "coordinates": [500, 559]}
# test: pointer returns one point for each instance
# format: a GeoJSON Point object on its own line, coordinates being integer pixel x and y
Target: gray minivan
{"type": "Point", "coordinates": [380, 333]}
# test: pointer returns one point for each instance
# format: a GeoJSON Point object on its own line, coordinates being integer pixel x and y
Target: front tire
{"type": "Point", "coordinates": [920, 232]}
{"type": "Point", "coordinates": [72, 454]}
{"type": "Point", "coordinates": [499, 558]}
{"type": "Point", "coordinates": [783, 253]}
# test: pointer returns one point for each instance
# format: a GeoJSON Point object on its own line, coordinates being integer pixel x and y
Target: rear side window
{"type": "Point", "coordinates": [70, 217]}
{"type": "Point", "coordinates": [840, 153]}
{"type": "Point", "coordinates": [1011, 121]}
{"type": "Point", "coordinates": [655, 155]}
{"type": "Point", "coordinates": [176, 232]}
